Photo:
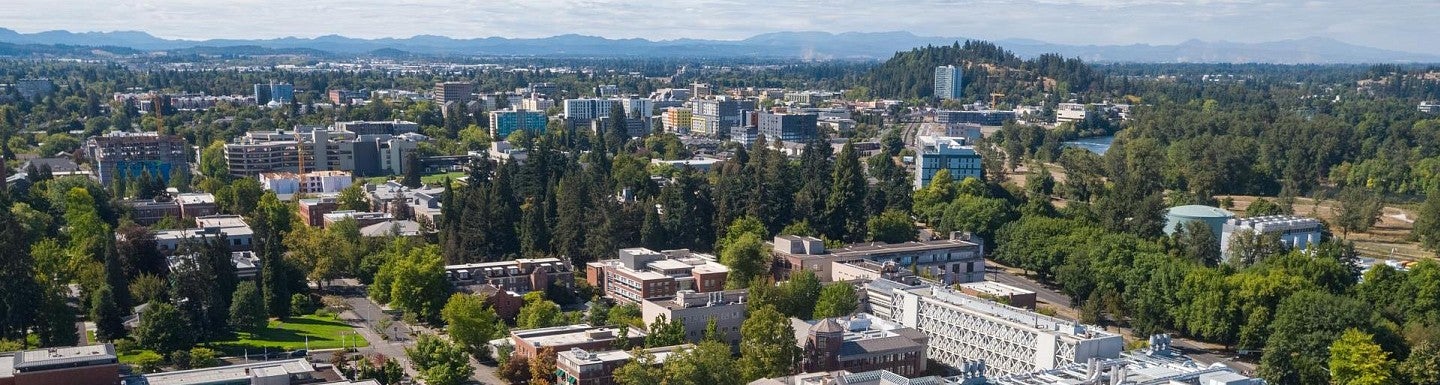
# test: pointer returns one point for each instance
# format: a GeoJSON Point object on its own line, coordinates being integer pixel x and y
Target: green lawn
{"type": "Point", "coordinates": [324, 332]}
{"type": "Point", "coordinates": [129, 357]}
{"type": "Point", "coordinates": [427, 179]}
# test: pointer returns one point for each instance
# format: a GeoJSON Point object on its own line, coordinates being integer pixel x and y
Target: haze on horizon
{"type": "Point", "coordinates": [1402, 25]}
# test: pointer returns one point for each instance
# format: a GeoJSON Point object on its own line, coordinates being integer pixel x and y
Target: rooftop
{"type": "Point", "coordinates": [686, 299]}
{"type": "Point", "coordinates": [1199, 211]}
{"type": "Point", "coordinates": [226, 374]}
{"type": "Point", "coordinates": [863, 249]}
{"type": "Point", "coordinates": [570, 335]}
{"type": "Point", "coordinates": [863, 334]}
{"type": "Point", "coordinates": [1040, 322]}
{"type": "Point", "coordinates": [1161, 366]}
{"type": "Point", "coordinates": [40, 359]}
{"type": "Point", "coordinates": [221, 221]}
{"type": "Point", "coordinates": [995, 288]}
{"type": "Point", "coordinates": [195, 198]}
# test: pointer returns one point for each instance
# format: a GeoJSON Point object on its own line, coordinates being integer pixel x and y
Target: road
{"type": "Point", "coordinates": [1202, 352]}
{"type": "Point", "coordinates": [367, 317]}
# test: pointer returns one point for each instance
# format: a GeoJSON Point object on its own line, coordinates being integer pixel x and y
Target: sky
{"type": "Point", "coordinates": [1403, 25]}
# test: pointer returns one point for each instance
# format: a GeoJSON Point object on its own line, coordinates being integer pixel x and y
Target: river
{"type": "Point", "coordinates": [1097, 144]}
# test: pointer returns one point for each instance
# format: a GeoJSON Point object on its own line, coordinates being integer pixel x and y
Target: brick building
{"type": "Point", "coordinates": [642, 274]}
{"type": "Point", "coordinates": [78, 365]}
{"type": "Point", "coordinates": [529, 343]}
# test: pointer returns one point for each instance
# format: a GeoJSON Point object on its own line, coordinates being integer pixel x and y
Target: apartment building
{"type": "Point", "coordinates": [717, 116]}
{"type": "Point", "coordinates": [115, 154]}
{"type": "Point", "coordinates": [955, 260]}
{"type": "Point", "coordinates": [642, 274]}
{"type": "Point", "coordinates": [1071, 112]}
{"type": "Point", "coordinates": [580, 112]}
{"type": "Point", "coordinates": [504, 122]}
{"type": "Point", "coordinates": [676, 120]}
{"type": "Point", "coordinates": [380, 150]}
{"type": "Point", "coordinates": [788, 127]}
{"type": "Point", "coordinates": [695, 310]}
{"type": "Point", "coordinates": [378, 127]}
{"type": "Point", "coordinates": [949, 82]}
{"type": "Point", "coordinates": [520, 276]}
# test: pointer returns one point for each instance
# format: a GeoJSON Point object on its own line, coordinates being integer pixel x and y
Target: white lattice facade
{"type": "Point", "coordinates": [964, 329]}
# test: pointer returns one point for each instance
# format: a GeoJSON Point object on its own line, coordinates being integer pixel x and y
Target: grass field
{"type": "Point", "coordinates": [428, 179]}
{"type": "Point", "coordinates": [323, 332]}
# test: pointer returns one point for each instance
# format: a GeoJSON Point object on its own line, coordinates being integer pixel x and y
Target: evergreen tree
{"type": "Point", "coordinates": [568, 238]}
{"type": "Point", "coordinates": [19, 291]}
{"type": "Point", "coordinates": [412, 170]}
{"type": "Point", "coordinates": [1427, 223]}
{"type": "Point", "coordinates": [845, 207]}
{"type": "Point", "coordinates": [115, 277]}
{"type": "Point", "coordinates": [163, 328]}
{"type": "Point", "coordinates": [104, 311]}
{"type": "Point", "coordinates": [652, 233]}
{"type": "Point", "coordinates": [534, 233]}
{"type": "Point", "coordinates": [247, 308]}
{"type": "Point", "coordinates": [272, 222]}
{"type": "Point", "coordinates": [814, 172]}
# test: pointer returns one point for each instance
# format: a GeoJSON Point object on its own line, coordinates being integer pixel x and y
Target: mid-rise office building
{"type": "Point", "coordinates": [634, 127]}
{"type": "Point", "coordinates": [133, 154]}
{"type": "Point", "coordinates": [955, 260]}
{"type": "Point", "coordinates": [1294, 232]}
{"type": "Point", "coordinates": [580, 112]}
{"type": "Point", "coordinates": [544, 88]}
{"type": "Point", "coordinates": [586, 367]}
{"type": "Point", "coordinates": [788, 127]}
{"type": "Point", "coordinates": [535, 102]}
{"type": "Point", "coordinates": [324, 149]}
{"type": "Point", "coordinates": [638, 107]}
{"type": "Point", "coordinates": [459, 92]}
{"type": "Point", "coordinates": [312, 210]}
{"type": "Point", "coordinates": [949, 82]}
{"type": "Point", "coordinates": [607, 90]}
{"type": "Point", "coordinates": [74, 365]}
{"type": "Point", "coordinates": [859, 343]}
{"type": "Point", "coordinates": [344, 96]}
{"type": "Point", "coordinates": [695, 310]}
{"type": "Point", "coordinates": [640, 274]}
{"type": "Point", "coordinates": [504, 122]}
{"type": "Point", "coordinates": [520, 275]}
{"type": "Point", "coordinates": [280, 93]}
{"type": "Point", "coordinates": [1009, 340]}
{"type": "Point", "coordinates": [955, 155]}
{"type": "Point", "coordinates": [1071, 112]}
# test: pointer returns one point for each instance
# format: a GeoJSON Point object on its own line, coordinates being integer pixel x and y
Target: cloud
{"type": "Point", "coordinates": [1397, 24]}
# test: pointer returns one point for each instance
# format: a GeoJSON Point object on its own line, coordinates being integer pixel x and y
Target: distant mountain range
{"type": "Point", "coordinates": [806, 45]}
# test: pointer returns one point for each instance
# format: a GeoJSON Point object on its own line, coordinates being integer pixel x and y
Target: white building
{"type": "Point", "coordinates": [937, 153]}
{"type": "Point", "coordinates": [964, 329]}
{"type": "Point", "coordinates": [1295, 232]}
{"type": "Point", "coordinates": [582, 111]}
{"type": "Point", "coordinates": [1071, 112]}
{"type": "Point", "coordinates": [949, 82]}
{"type": "Point", "coordinates": [307, 183]}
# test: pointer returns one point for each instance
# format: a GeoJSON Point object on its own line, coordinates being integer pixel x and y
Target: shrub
{"type": "Point", "coordinates": [202, 358]}
{"type": "Point", "coordinates": [149, 362]}
{"type": "Point", "coordinates": [300, 304]}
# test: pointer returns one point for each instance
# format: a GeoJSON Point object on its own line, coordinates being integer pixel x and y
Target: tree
{"type": "Point", "coordinates": [202, 358]}
{"type": "Point", "coordinates": [105, 312]}
{"type": "Point", "coordinates": [212, 160]}
{"type": "Point", "coordinates": [149, 361]}
{"type": "Point", "coordinates": [1423, 364]}
{"type": "Point", "coordinates": [746, 259]}
{"type": "Point", "coordinates": [19, 289]}
{"type": "Point", "coordinates": [845, 207]}
{"type": "Point", "coordinates": [469, 322]}
{"type": "Point", "coordinates": [1197, 242]}
{"type": "Point", "coordinates": [891, 226]}
{"type": "Point", "coordinates": [271, 220]}
{"type": "Point", "coordinates": [625, 314]}
{"type": "Point", "coordinates": [515, 370]}
{"type": "Point", "coordinates": [709, 363]}
{"type": "Point", "coordinates": [1248, 247]}
{"type": "Point", "coordinates": [439, 362]}
{"type": "Point", "coordinates": [542, 367]}
{"type": "Point", "coordinates": [976, 214]}
{"type": "Point", "coordinates": [1304, 327]}
{"type": "Point", "coordinates": [247, 308]}
{"type": "Point", "coordinates": [352, 197]}
{"type": "Point", "coordinates": [414, 281]}
{"type": "Point", "coordinates": [382, 369]}
{"type": "Point", "coordinates": [412, 170]}
{"type": "Point", "coordinates": [1427, 223]}
{"type": "Point", "coordinates": [665, 332]}
{"type": "Point", "coordinates": [800, 293]}
{"type": "Point", "coordinates": [1356, 359]}
{"type": "Point", "coordinates": [767, 345]}
{"type": "Point", "coordinates": [642, 370]}
{"type": "Point", "coordinates": [1359, 209]}
{"type": "Point", "coordinates": [1263, 207]}
{"type": "Point", "coordinates": [837, 300]}
{"type": "Point", "coordinates": [538, 312]}
{"type": "Point", "coordinates": [163, 328]}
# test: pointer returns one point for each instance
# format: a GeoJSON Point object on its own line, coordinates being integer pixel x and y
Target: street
{"type": "Point", "coordinates": [367, 318]}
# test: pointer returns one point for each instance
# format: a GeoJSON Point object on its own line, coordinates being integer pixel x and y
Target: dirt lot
{"type": "Point", "coordinates": [1388, 238]}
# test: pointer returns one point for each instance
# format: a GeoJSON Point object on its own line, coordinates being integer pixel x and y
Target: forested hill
{"type": "Point", "coordinates": [988, 68]}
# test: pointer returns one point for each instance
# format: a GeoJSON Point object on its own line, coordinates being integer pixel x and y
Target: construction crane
{"type": "Point", "coordinates": [155, 104]}
{"type": "Point", "coordinates": [995, 99]}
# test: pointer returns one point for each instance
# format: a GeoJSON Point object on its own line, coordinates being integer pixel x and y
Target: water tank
{"type": "Point", "coordinates": [1215, 217]}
